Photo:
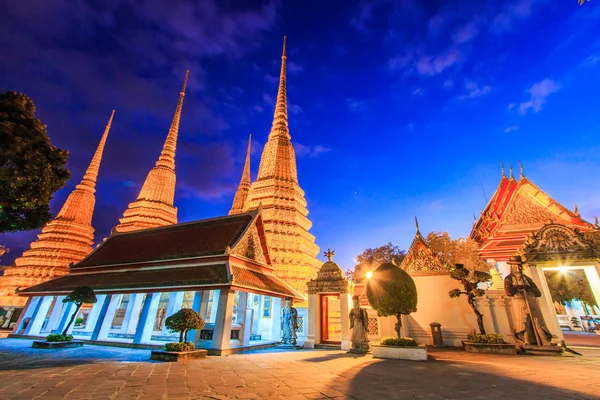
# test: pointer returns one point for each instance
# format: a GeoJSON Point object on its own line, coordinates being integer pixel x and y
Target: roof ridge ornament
{"type": "Point", "coordinates": [510, 171]}
{"type": "Point", "coordinates": [576, 211]}
{"type": "Point", "coordinates": [329, 254]}
{"type": "Point", "coordinates": [521, 174]}
{"type": "Point", "coordinates": [502, 168]}
{"type": "Point", "coordinates": [417, 225]}
{"type": "Point", "coordinates": [596, 225]}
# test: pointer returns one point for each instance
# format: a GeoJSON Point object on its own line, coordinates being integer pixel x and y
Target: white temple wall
{"type": "Point", "coordinates": [434, 305]}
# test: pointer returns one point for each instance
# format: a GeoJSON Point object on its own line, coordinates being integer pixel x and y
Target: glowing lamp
{"type": "Point", "coordinates": [369, 274]}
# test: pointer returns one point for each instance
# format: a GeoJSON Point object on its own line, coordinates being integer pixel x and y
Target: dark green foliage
{"type": "Point", "coordinates": [31, 168]}
{"type": "Point", "coordinates": [79, 296]}
{"type": "Point", "coordinates": [470, 281]}
{"type": "Point", "coordinates": [394, 341]}
{"type": "Point", "coordinates": [180, 346]}
{"type": "Point", "coordinates": [488, 338]}
{"type": "Point", "coordinates": [57, 337]}
{"type": "Point", "coordinates": [371, 258]}
{"type": "Point", "coordinates": [183, 321]}
{"type": "Point", "coordinates": [570, 285]}
{"type": "Point", "coordinates": [79, 321]}
{"type": "Point", "coordinates": [391, 291]}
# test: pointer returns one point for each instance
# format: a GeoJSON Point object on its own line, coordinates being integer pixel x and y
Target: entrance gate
{"type": "Point", "coordinates": [329, 302]}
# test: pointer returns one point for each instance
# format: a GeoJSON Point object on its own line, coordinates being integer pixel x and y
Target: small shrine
{"type": "Point", "coordinates": [329, 303]}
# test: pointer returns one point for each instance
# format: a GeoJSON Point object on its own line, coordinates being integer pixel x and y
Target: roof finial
{"type": "Point", "coordinates": [474, 217]}
{"type": "Point", "coordinates": [239, 200]}
{"type": "Point", "coordinates": [576, 210]}
{"type": "Point", "coordinates": [502, 168]}
{"type": "Point", "coordinates": [284, 54]}
{"type": "Point", "coordinates": [521, 174]}
{"type": "Point", "coordinates": [329, 254]}
{"type": "Point", "coordinates": [417, 225]}
{"type": "Point", "coordinates": [510, 171]}
{"type": "Point", "coordinates": [596, 225]}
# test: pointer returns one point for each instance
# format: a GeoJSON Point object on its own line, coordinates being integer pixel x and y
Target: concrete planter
{"type": "Point", "coordinates": [42, 344]}
{"type": "Point", "coordinates": [175, 356]}
{"type": "Point", "coordinates": [416, 353]}
{"type": "Point", "coordinates": [506, 348]}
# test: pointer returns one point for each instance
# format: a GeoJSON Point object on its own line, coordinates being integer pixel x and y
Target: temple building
{"type": "Point", "coordinates": [66, 239]}
{"type": "Point", "coordinates": [293, 249]}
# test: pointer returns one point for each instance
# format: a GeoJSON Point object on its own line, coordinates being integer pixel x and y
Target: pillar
{"type": "Point", "coordinates": [276, 318]}
{"type": "Point", "coordinates": [39, 316]}
{"type": "Point", "coordinates": [194, 334]}
{"type": "Point", "coordinates": [592, 275]}
{"type": "Point", "coordinates": [67, 310]}
{"type": "Point", "coordinates": [313, 323]}
{"type": "Point", "coordinates": [132, 313]}
{"type": "Point", "coordinates": [175, 302]}
{"type": "Point", "coordinates": [102, 324]}
{"type": "Point", "coordinates": [242, 319]}
{"type": "Point", "coordinates": [145, 326]}
{"type": "Point", "coordinates": [214, 305]}
{"type": "Point", "coordinates": [222, 331]}
{"type": "Point", "coordinates": [95, 313]}
{"type": "Point", "coordinates": [55, 314]}
{"type": "Point", "coordinates": [345, 305]}
{"type": "Point", "coordinates": [26, 313]}
{"type": "Point", "coordinates": [546, 303]}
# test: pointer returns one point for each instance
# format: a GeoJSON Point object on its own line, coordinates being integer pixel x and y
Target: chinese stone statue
{"type": "Point", "coordinates": [529, 325]}
{"type": "Point", "coordinates": [359, 322]}
{"type": "Point", "coordinates": [289, 324]}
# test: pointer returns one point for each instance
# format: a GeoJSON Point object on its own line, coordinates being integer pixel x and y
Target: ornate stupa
{"type": "Point", "coordinates": [154, 205]}
{"type": "Point", "coordinates": [292, 248]}
{"type": "Point", "coordinates": [239, 201]}
{"type": "Point", "coordinates": [66, 239]}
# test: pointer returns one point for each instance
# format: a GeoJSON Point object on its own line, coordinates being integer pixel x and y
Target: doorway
{"type": "Point", "coordinates": [331, 321]}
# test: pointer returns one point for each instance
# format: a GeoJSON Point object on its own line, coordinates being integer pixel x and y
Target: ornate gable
{"type": "Point", "coordinates": [420, 260]}
{"type": "Point", "coordinates": [527, 211]}
{"type": "Point", "coordinates": [249, 246]}
{"type": "Point", "coordinates": [559, 242]}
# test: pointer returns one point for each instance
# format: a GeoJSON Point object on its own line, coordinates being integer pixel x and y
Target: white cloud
{"type": "Point", "coordinates": [269, 99]}
{"type": "Point", "coordinates": [511, 128]}
{"type": "Point", "coordinates": [433, 65]}
{"type": "Point", "coordinates": [474, 90]}
{"type": "Point", "coordinates": [538, 94]}
{"type": "Point", "coordinates": [310, 151]}
{"type": "Point", "coordinates": [448, 84]}
{"type": "Point", "coordinates": [355, 105]}
{"type": "Point", "coordinates": [295, 109]}
{"type": "Point", "coordinates": [417, 92]}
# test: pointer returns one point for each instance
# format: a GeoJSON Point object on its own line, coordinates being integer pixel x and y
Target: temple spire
{"type": "Point", "coordinates": [239, 201]}
{"type": "Point", "coordinates": [280, 117]}
{"type": "Point", "coordinates": [66, 239]}
{"type": "Point", "coordinates": [154, 205]}
{"type": "Point", "coordinates": [502, 168]}
{"type": "Point", "coordinates": [417, 225]}
{"type": "Point", "coordinates": [510, 172]}
{"type": "Point", "coordinates": [521, 174]}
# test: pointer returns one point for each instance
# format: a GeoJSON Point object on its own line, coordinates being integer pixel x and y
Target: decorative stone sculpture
{"type": "Point", "coordinates": [529, 325]}
{"type": "Point", "coordinates": [359, 323]}
{"type": "Point", "coordinates": [289, 324]}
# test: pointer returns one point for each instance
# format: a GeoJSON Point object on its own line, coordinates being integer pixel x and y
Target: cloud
{"type": "Point", "coordinates": [474, 90]}
{"type": "Point", "coordinates": [433, 65]}
{"type": "Point", "coordinates": [511, 128]}
{"type": "Point", "coordinates": [538, 94]}
{"type": "Point", "coordinates": [270, 100]}
{"type": "Point", "coordinates": [355, 105]}
{"type": "Point", "coordinates": [293, 67]}
{"type": "Point", "coordinates": [258, 108]}
{"type": "Point", "coordinates": [417, 92]}
{"type": "Point", "coordinates": [295, 109]}
{"type": "Point", "coordinates": [310, 151]}
{"type": "Point", "coordinates": [467, 32]}
{"type": "Point", "coordinates": [513, 13]}
{"type": "Point", "coordinates": [448, 84]}
{"type": "Point", "coordinates": [363, 16]}
{"type": "Point", "coordinates": [411, 126]}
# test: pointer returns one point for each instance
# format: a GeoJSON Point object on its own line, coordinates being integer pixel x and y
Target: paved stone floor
{"type": "Point", "coordinates": [95, 372]}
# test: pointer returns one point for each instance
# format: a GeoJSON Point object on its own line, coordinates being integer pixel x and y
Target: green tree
{"type": "Point", "coordinates": [391, 291]}
{"type": "Point", "coordinates": [456, 251]}
{"type": "Point", "coordinates": [570, 285]}
{"type": "Point", "coordinates": [470, 281]}
{"type": "Point", "coordinates": [31, 168]}
{"type": "Point", "coordinates": [370, 258]}
{"type": "Point", "coordinates": [183, 321]}
{"type": "Point", "coordinates": [79, 296]}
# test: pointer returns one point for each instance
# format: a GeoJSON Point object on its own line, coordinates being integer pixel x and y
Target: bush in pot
{"type": "Point", "coordinates": [183, 321]}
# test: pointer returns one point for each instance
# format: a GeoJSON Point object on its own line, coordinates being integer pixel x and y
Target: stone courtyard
{"type": "Point", "coordinates": [95, 372]}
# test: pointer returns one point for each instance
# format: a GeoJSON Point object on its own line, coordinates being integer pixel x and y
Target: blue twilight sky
{"type": "Point", "coordinates": [397, 108]}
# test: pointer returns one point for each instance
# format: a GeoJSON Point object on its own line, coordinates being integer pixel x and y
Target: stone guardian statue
{"type": "Point", "coordinates": [529, 325]}
{"type": "Point", "coordinates": [359, 323]}
{"type": "Point", "coordinates": [289, 324]}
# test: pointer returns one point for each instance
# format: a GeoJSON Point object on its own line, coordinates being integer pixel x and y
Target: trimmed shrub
{"type": "Point", "coordinates": [490, 338]}
{"type": "Point", "coordinates": [394, 341]}
{"type": "Point", "coordinates": [183, 321]}
{"type": "Point", "coordinates": [58, 337]}
{"type": "Point", "coordinates": [180, 346]}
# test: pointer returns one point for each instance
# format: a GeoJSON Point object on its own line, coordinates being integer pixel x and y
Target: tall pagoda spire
{"type": "Point", "coordinates": [66, 239]}
{"type": "Point", "coordinates": [154, 205]}
{"type": "Point", "coordinates": [239, 201]}
{"type": "Point", "coordinates": [292, 248]}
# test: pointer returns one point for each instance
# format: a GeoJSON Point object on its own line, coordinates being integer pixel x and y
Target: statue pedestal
{"type": "Point", "coordinates": [543, 350]}
{"type": "Point", "coordinates": [288, 347]}
{"type": "Point", "coordinates": [358, 351]}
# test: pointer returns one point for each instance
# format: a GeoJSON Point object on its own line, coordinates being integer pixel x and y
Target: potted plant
{"type": "Point", "coordinates": [391, 291]}
{"type": "Point", "coordinates": [182, 321]}
{"type": "Point", "coordinates": [488, 343]}
{"type": "Point", "coordinates": [470, 281]}
{"type": "Point", "coordinates": [79, 296]}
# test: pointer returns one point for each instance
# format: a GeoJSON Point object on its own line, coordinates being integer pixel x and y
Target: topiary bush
{"type": "Point", "coordinates": [183, 321]}
{"type": "Point", "coordinates": [394, 341]}
{"type": "Point", "coordinates": [58, 337]}
{"type": "Point", "coordinates": [490, 338]}
{"type": "Point", "coordinates": [391, 291]}
{"type": "Point", "coordinates": [180, 346]}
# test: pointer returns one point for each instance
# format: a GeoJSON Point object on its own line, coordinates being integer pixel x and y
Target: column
{"type": "Point", "coordinates": [67, 310]}
{"type": "Point", "coordinates": [194, 334]}
{"type": "Point", "coordinates": [145, 326]}
{"type": "Point", "coordinates": [222, 331]}
{"type": "Point", "coordinates": [55, 314]}
{"type": "Point", "coordinates": [7, 317]}
{"type": "Point", "coordinates": [27, 311]}
{"type": "Point", "coordinates": [592, 275]}
{"type": "Point", "coordinates": [502, 318]}
{"type": "Point", "coordinates": [312, 324]}
{"type": "Point", "coordinates": [108, 309]}
{"type": "Point", "coordinates": [546, 303]}
{"type": "Point", "coordinates": [94, 313]}
{"type": "Point", "coordinates": [242, 320]}
{"type": "Point", "coordinates": [39, 316]}
{"type": "Point", "coordinates": [345, 305]}
{"type": "Point", "coordinates": [214, 305]}
{"type": "Point", "coordinates": [203, 304]}
{"type": "Point", "coordinates": [175, 302]}
{"type": "Point", "coordinates": [132, 313]}
{"type": "Point", "coordinates": [276, 318]}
